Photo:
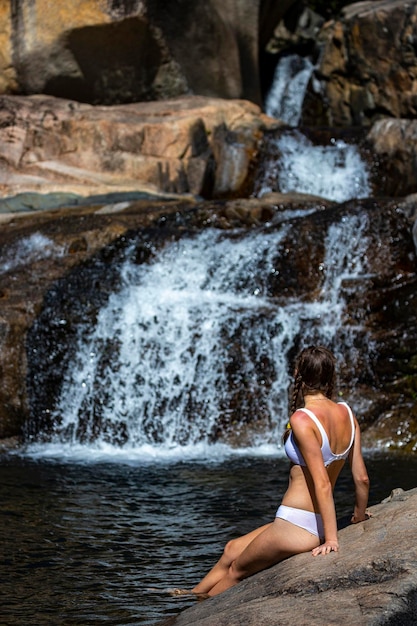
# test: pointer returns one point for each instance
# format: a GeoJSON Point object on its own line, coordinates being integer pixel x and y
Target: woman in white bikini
{"type": "Point", "coordinates": [320, 437]}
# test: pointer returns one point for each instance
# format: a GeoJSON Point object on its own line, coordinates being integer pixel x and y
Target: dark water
{"type": "Point", "coordinates": [98, 543]}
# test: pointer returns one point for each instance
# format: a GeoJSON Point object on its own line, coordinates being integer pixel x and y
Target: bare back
{"type": "Point", "coordinates": [338, 427]}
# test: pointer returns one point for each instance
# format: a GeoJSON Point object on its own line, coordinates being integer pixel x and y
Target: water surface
{"type": "Point", "coordinates": [100, 542]}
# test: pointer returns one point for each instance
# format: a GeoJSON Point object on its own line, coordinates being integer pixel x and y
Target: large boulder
{"type": "Point", "coordinates": [372, 580]}
{"type": "Point", "coordinates": [203, 146]}
{"type": "Point", "coordinates": [129, 51]}
{"type": "Point", "coordinates": [393, 145]}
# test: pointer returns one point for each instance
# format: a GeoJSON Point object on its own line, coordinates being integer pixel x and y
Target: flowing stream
{"type": "Point", "coordinates": [294, 163]}
{"type": "Point", "coordinates": [286, 96]}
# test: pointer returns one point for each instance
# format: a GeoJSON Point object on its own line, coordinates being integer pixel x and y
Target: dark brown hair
{"type": "Point", "coordinates": [314, 372]}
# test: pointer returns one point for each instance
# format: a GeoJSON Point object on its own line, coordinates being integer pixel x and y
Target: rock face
{"type": "Point", "coordinates": [68, 238]}
{"type": "Point", "coordinates": [134, 50]}
{"type": "Point", "coordinates": [372, 580]}
{"type": "Point", "coordinates": [367, 66]}
{"type": "Point", "coordinates": [207, 147]}
{"type": "Point", "coordinates": [393, 142]}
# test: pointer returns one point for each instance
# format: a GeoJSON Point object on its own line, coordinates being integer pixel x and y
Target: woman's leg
{"type": "Point", "coordinates": [231, 552]}
{"type": "Point", "coordinates": [276, 542]}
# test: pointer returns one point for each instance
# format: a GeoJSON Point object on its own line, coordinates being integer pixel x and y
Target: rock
{"type": "Point", "coordinates": [393, 144]}
{"type": "Point", "coordinates": [367, 66]}
{"type": "Point", "coordinates": [128, 51]}
{"type": "Point", "coordinates": [298, 29]}
{"type": "Point", "coordinates": [395, 429]}
{"type": "Point", "coordinates": [372, 580]}
{"type": "Point", "coordinates": [202, 146]}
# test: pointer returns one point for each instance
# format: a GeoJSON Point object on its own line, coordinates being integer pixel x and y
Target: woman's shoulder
{"type": "Point", "coordinates": [346, 405]}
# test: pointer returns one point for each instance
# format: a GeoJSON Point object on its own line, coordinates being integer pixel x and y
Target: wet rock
{"type": "Point", "coordinates": [393, 144]}
{"type": "Point", "coordinates": [372, 580]}
{"type": "Point", "coordinates": [36, 250]}
{"type": "Point", "coordinates": [386, 152]}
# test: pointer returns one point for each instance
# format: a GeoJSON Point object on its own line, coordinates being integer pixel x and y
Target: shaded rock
{"type": "Point", "coordinates": [130, 50]}
{"type": "Point", "coordinates": [372, 580]}
{"type": "Point", "coordinates": [192, 145]}
{"type": "Point", "coordinates": [297, 30]}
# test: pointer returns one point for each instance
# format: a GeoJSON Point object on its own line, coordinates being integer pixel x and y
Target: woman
{"type": "Point", "coordinates": [321, 435]}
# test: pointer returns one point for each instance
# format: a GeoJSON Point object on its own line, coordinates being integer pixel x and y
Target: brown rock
{"type": "Point", "coordinates": [393, 144]}
{"type": "Point", "coordinates": [367, 65]}
{"type": "Point", "coordinates": [372, 580]}
{"type": "Point", "coordinates": [129, 51]}
{"type": "Point", "coordinates": [202, 146]}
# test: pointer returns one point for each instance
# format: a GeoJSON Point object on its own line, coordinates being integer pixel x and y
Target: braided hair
{"type": "Point", "coordinates": [314, 373]}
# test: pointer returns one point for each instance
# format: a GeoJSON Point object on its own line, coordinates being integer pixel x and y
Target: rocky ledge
{"type": "Point", "coordinates": [202, 146]}
{"type": "Point", "coordinates": [372, 580]}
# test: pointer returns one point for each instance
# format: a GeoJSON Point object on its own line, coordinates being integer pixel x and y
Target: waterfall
{"type": "Point", "coordinates": [193, 347]}
{"type": "Point", "coordinates": [292, 163]}
{"type": "Point", "coordinates": [195, 336]}
{"type": "Point", "coordinates": [29, 250]}
{"type": "Point", "coordinates": [289, 85]}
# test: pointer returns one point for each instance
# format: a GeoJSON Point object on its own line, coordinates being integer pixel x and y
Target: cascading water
{"type": "Point", "coordinates": [196, 338]}
{"type": "Point", "coordinates": [194, 346]}
{"type": "Point", "coordinates": [285, 98]}
{"type": "Point", "coordinates": [292, 163]}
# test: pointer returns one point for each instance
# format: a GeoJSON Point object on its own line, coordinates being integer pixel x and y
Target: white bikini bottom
{"type": "Point", "coordinates": [305, 519]}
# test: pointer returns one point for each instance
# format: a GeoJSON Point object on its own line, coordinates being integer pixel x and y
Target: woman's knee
{"type": "Point", "coordinates": [231, 550]}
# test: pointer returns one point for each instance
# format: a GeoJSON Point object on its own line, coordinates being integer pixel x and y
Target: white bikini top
{"type": "Point", "coordinates": [293, 453]}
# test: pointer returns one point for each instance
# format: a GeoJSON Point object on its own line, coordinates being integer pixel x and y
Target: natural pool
{"type": "Point", "coordinates": [99, 541]}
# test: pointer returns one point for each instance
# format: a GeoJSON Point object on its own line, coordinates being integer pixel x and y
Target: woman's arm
{"type": "Point", "coordinates": [360, 478]}
{"type": "Point", "coordinates": [310, 447]}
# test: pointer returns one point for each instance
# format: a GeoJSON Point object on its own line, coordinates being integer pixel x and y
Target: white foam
{"type": "Point", "coordinates": [30, 249]}
{"type": "Point", "coordinates": [335, 172]}
{"type": "Point", "coordinates": [145, 454]}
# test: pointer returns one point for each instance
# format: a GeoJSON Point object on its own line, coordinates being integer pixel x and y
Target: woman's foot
{"type": "Point", "coordinates": [188, 592]}
{"type": "Point", "coordinates": [180, 592]}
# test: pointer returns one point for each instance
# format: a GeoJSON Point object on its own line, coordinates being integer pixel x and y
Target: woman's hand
{"type": "Point", "coordinates": [326, 547]}
{"type": "Point", "coordinates": [355, 519]}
